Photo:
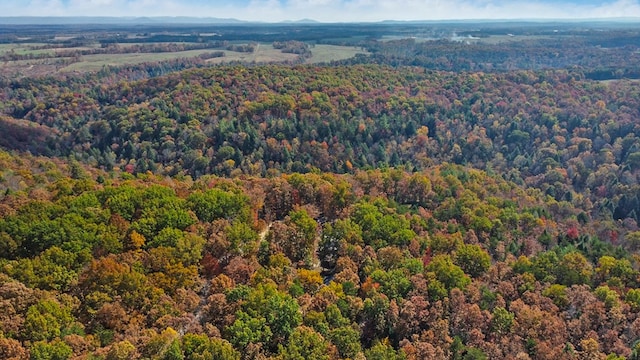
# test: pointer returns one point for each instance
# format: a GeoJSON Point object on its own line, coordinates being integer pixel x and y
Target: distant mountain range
{"type": "Point", "coordinates": [156, 20]}
{"type": "Point", "coordinates": [106, 20]}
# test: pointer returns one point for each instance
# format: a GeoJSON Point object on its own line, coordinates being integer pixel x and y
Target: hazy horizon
{"type": "Point", "coordinates": [329, 10]}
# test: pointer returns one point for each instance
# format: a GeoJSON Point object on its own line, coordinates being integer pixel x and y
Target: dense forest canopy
{"type": "Point", "coordinates": [434, 199]}
{"type": "Point", "coordinates": [573, 138]}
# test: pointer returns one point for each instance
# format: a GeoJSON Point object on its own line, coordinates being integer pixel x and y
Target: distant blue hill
{"type": "Point", "coordinates": [189, 20]}
{"type": "Point", "coordinates": [105, 20]}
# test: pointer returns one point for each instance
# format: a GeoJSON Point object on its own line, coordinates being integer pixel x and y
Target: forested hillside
{"type": "Point", "coordinates": [604, 55]}
{"type": "Point", "coordinates": [576, 140]}
{"type": "Point", "coordinates": [442, 263]}
{"type": "Point", "coordinates": [412, 204]}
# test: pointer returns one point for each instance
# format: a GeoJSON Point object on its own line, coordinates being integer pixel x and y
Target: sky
{"type": "Point", "coordinates": [330, 10]}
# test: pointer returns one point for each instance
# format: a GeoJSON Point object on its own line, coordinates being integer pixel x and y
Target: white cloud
{"type": "Point", "coordinates": [32, 7]}
{"type": "Point", "coordinates": [327, 10]}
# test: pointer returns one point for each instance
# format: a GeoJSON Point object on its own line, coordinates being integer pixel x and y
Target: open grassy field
{"type": "Point", "coordinates": [490, 40]}
{"type": "Point", "coordinates": [264, 53]}
{"type": "Point", "coordinates": [327, 53]}
{"type": "Point", "coordinates": [36, 67]}
{"type": "Point", "coordinates": [28, 48]}
{"type": "Point", "coordinates": [417, 39]}
{"type": "Point", "coordinates": [614, 81]}
{"type": "Point", "coordinates": [22, 49]}
{"type": "Point", "coordinates": [497, 39]}
{"type": "Point", "coordinates": [96, 62]}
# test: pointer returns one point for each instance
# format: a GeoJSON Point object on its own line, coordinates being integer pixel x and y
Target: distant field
{"type": "Point", "coordinates": [497, 39]}
{"type": "Point", "coordinates": [327, 53]}
{"type": "Point", "coordinates": [490, 40]}
{"type": "Point", "coordinates": [613, 81]}
{"type": "Point", "coordinates": [96, 62]}
{"type": "Point", "coordinates": [22, 49]}
{"type": "Point", "coordinates": [399, 37]}
{"type": "Point", "coordinates": [27, 48]}
{"type": "Point", "coordinates": [264, 53]}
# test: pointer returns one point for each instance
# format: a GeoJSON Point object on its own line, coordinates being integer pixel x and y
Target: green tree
{"type": "Point", "coordinates": [395, 283]}
{"type": "Point", "coordinates": [574, 269]}
{"type": "Point", "coordinates": [247, 330]}
{"type": "Point", "coordinates": [303, 238]}
{"type": "Point", "coordinates": [54, 269]}
{"type": "Point", "coordinates": [56, 350]}
{"type": "Point", "coordinates": [201, 347]}
{"type": "Point", "coordinates": [219, 204]}
{"type": "Point", "coordinates": [474, 354]}
{"type": "Point", "coordinates": [382, 351]}
{"type": "Point", "coordinates": [448, 273]}
{"type": "Point", "coordinates": [501, 321]}
{"type": "Point", "coordinates": [163, 346]}
{"type": "Point", "coordinates": [558, 295]}
{"type": "Point", "coordinates": [633, 298]}
{"type": "Point", "coordinates": [375, 323]}
{"type": "Point", "coordinates": [267, 316]}
{"type": "Point", "coordinates": [347, 340]}
{"type": "Point", "coordinates": [122, 350]}
{"type": "Point", "coordinates": [280, 311]}
{"type": "Point", "coordinates": [436, 290]}
{"type": "Point", "coordinates": [154, 220]}
{"type": "Point", "coordinates": [544, 265]}
{"type": "Point", "coordinates": [334, 316]}
{"type": "Point", "coordinates": [174, 351]}
{"type": "Point", "coordinates": [336, 237]}
{"type": "Point", "coordinates": [46, 320]}
{"type": "Point", "coordinates": [615, 272]}
{"type": "Point", "coordinates": [188, 249]}
{"type": "Point", "coordinates": [243, 240]}
{"type": "Point", "coordinates": [167, 237]}
{"type": "Point", "coordinates": [473, 259]}
{"type": "Point", "coordinates": [608, 296]}
{"type": "Point", "coordinates": [304, 344]}
{"type": "Point", "coordinates": [121, 200]}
